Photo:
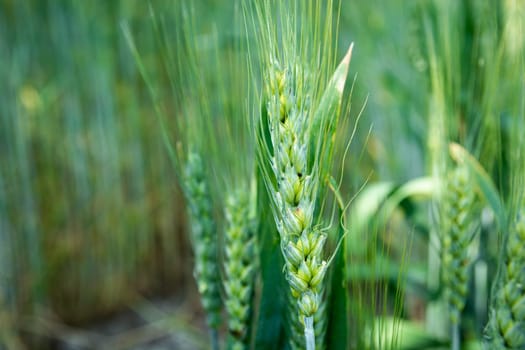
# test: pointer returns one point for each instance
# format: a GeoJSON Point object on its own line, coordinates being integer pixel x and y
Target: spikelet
{"type": "Point", "coordinates": [507, 318]}
{"type": "Point", "coordinates": [240, 265]}
{"type": "Point", "coordinates": [297, 339]}
{"type": "Point", "coordinates": [203, 238]}
{"type": "Point", "coordinates": [458, 201]}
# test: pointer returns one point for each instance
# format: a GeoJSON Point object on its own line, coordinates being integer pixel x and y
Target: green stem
{"type": "Point", "coordinates": [214, 335]}
{"type": "Point", "coordinates": [309, 334]}
{"type": "Point", "coordinates": [456, 341]}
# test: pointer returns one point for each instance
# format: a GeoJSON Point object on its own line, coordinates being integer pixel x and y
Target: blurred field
{"type": "Point", "coordinates": [91, 216]}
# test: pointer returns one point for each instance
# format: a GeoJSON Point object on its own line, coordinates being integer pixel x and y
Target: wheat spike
{"type": "Point", "coordinates": [240, 254]}
{"type": "Point", "coordinates": [294, 195]}
{"type": "Point", "coordinates": [507, 318]}
{"type": "Point", "coordinates": [458, 201]}
{"type": "Point", "coordinates": [203, 238]}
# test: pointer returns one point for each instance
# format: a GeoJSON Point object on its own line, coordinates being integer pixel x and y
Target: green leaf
{"type": "Point", "coordinates": [364, 212]}
{"type": "Point", "coordinates": [326, 116]}
{"type": "Point", "coordinates": [376, 203]}
{"type": "Point", "coordinates": [270, 323]}
{"type": "Point", "coordinates": [422, 187]}
{"type": "Point", "coordinates": [483, 181]}
{"type": "Point", "coordinates": [336, 334]}
{"type": "Point", "coordinates": [338, 308]}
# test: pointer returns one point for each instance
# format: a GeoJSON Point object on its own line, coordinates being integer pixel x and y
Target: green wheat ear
{"type": "Point", "coordinates": [295, 195]}
{"type": "Point", "coordinates": [458, 200]}
{"type": "Point", "coordinates": [507, 319]}
{"type": "Point", "coordinates": [240, 265]}
{"type": "Point", "coordinates": [203, 238]}
{"type": "Point", "coordinates": [302, 94]}
{"type": "Point", "coordinates": [294, 132]}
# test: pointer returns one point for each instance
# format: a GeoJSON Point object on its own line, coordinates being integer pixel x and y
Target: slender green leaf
{"type": "Point", "coordinates": [327, 114]}
{"type": "Point", "coordinates": [338, 311]}
{"type": "Point", "coordinates": [333, 94]}
{"type": "Point", "coordinates": [364, 211]}
{"type": "Point", "coordinates": [338, 307]}
{"type": "Point", "coordinates": [422, 187]}
{"type": "Point", "coordinates": [270, 323]}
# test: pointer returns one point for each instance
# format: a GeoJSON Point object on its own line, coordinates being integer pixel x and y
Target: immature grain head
{"type": "Point", "coordinates": [240, 264]}
{"type": "Point", "coordinates": [295, 191]}
{"type": "Point", "coordinates": [296, 132]}
{"type": "Point", "coordinates": [507, 319]}
{"type": "Point", "coordinates": [297, 162]}
{"type": "Point", "coordinates": [203, 237]}
{"type": "Point", "coordinates": [458, 201]}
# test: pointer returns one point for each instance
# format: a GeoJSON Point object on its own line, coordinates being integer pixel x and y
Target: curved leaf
{"type": "Point", "coordinates": [483, 181]}
{"type": "Point", "coordinates": [364, 212]}
{"type": "Point", "coordinates": [423, 187]}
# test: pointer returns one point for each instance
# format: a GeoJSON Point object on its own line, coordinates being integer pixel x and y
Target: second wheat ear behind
{"type": "Point", "coordinates": [506, 327]}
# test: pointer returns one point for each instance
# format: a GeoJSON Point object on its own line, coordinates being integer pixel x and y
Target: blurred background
{"type": "Point", "coordinates": [93, 245]}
